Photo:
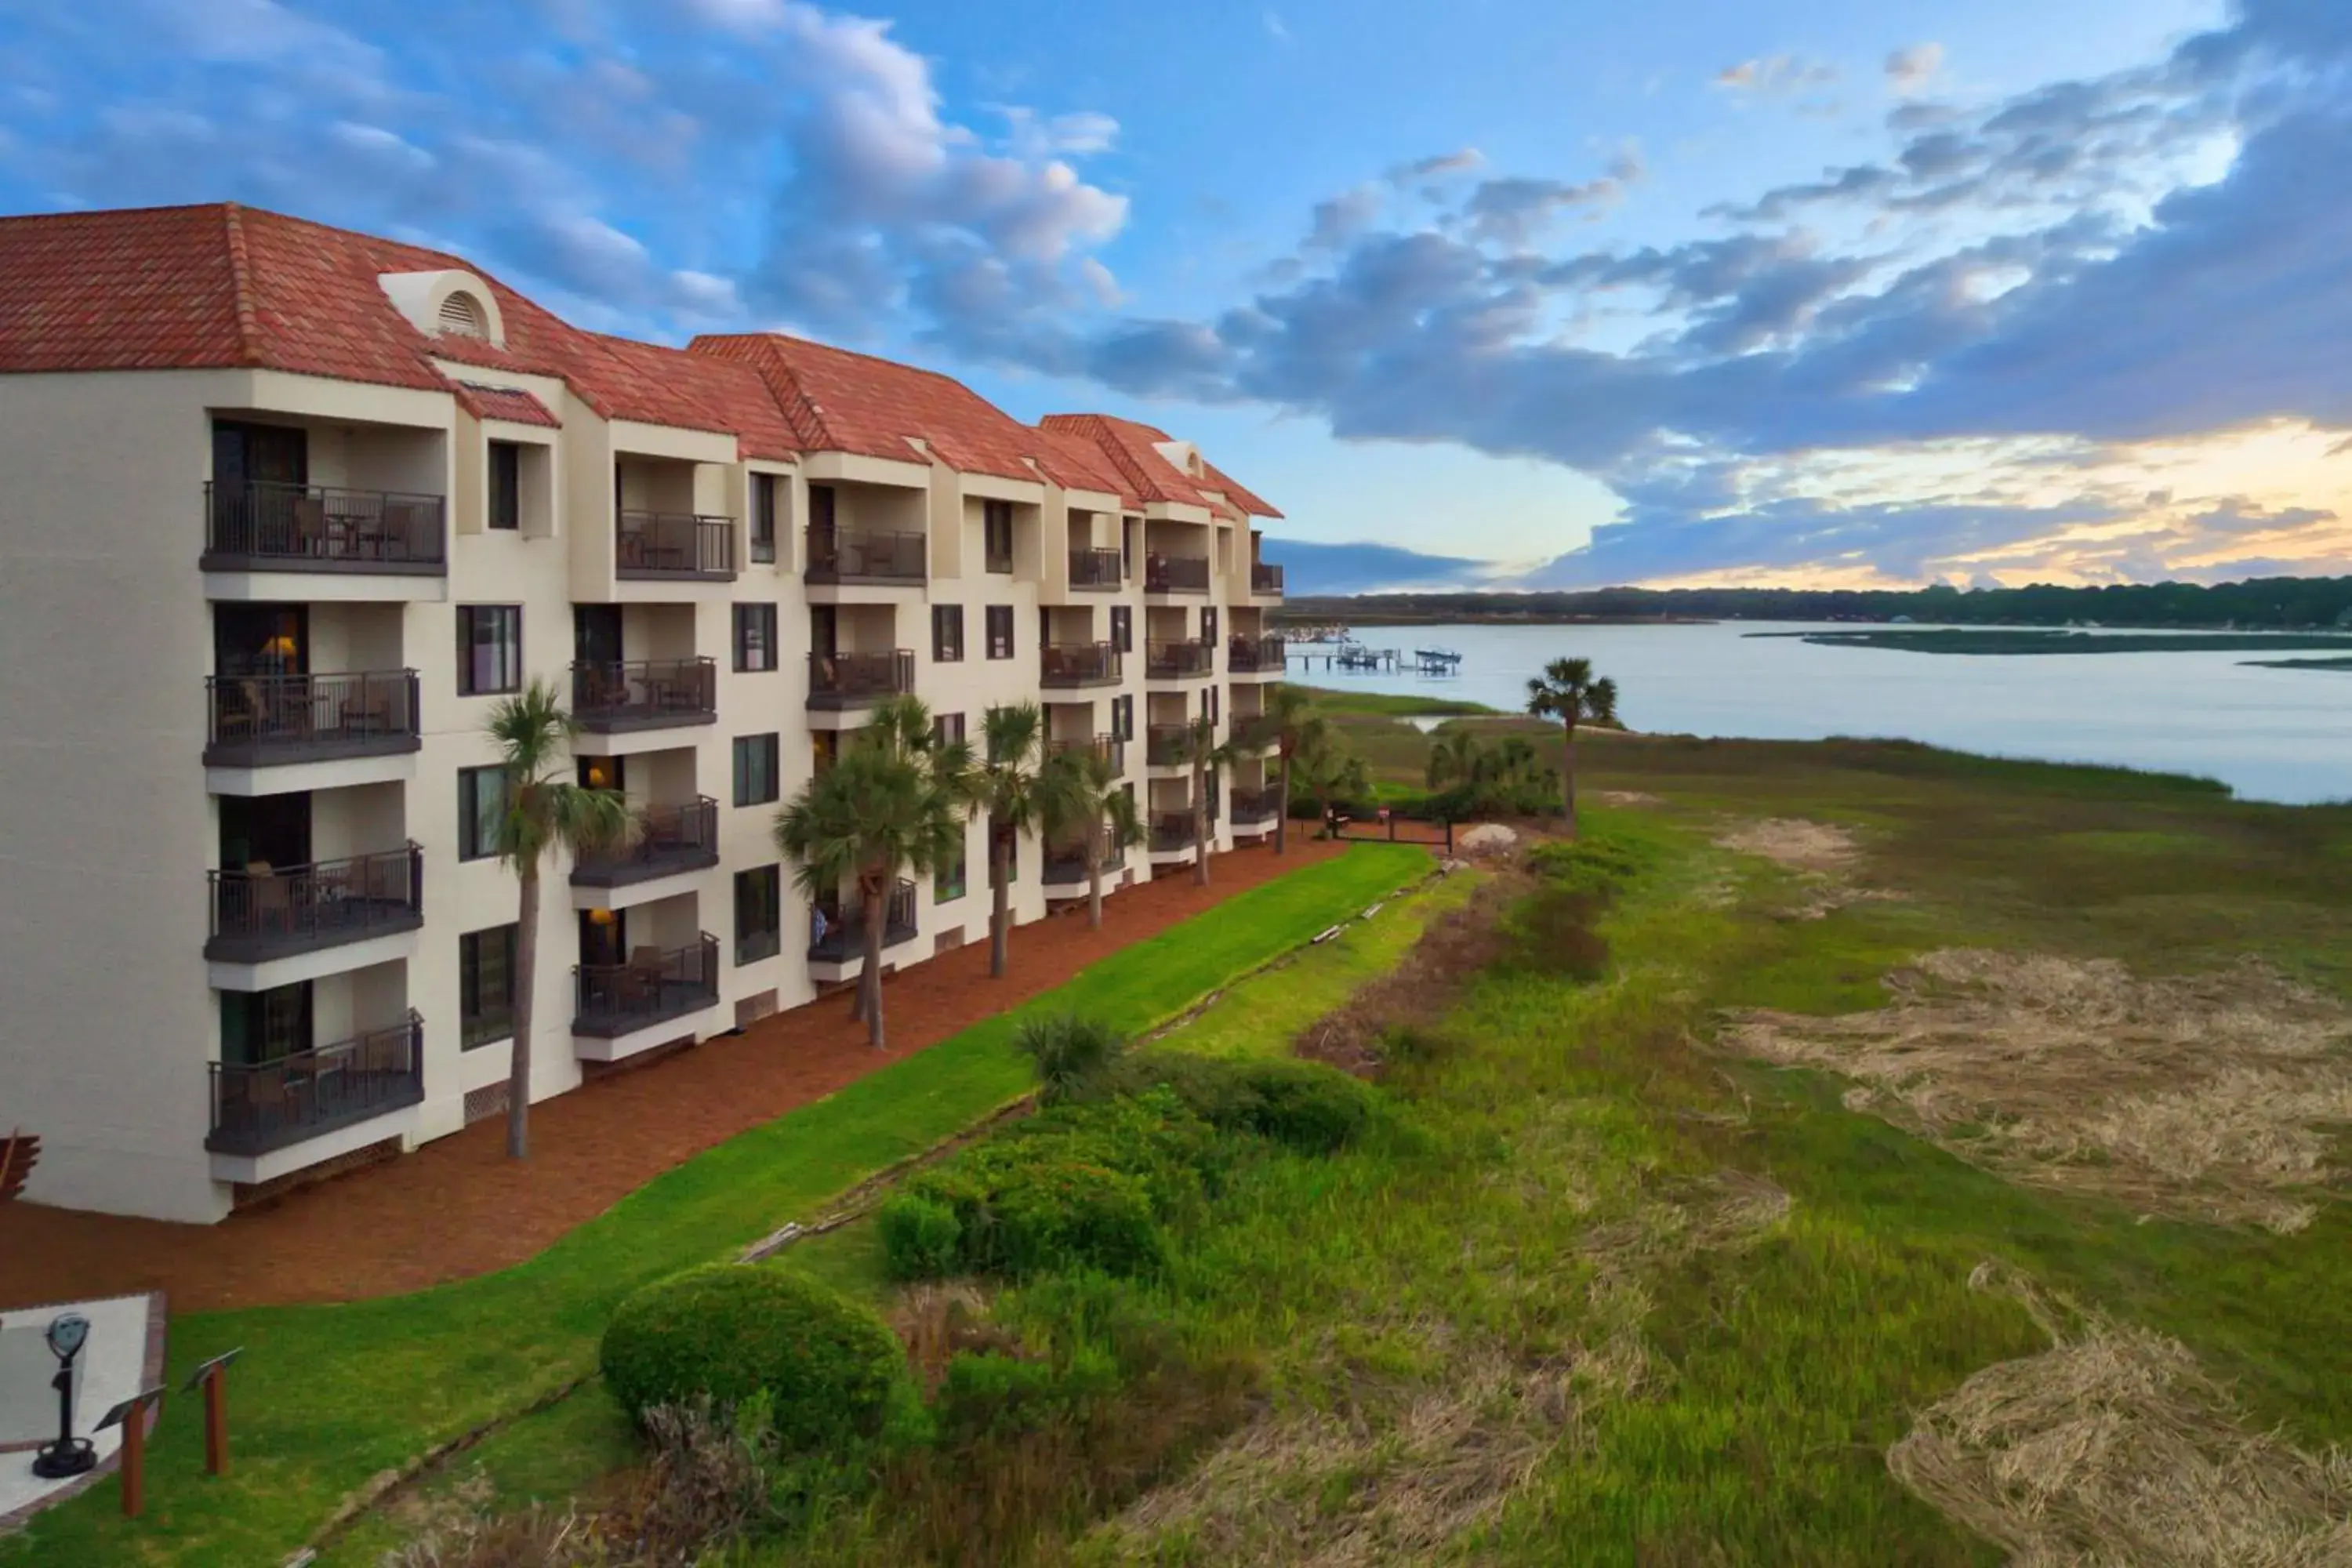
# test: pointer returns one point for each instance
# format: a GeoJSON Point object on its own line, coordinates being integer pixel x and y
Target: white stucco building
{"type": "Point", "coordinates": [284, 510]}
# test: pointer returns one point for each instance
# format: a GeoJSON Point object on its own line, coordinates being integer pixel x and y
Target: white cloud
{"type": "Point", "coordinates": [1775, 75]}
{"type": "Point", "coordinates": [1275, 28]}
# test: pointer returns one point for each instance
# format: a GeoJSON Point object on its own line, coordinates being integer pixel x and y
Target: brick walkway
{"type": "Point", "coordinates": [457, 1207]}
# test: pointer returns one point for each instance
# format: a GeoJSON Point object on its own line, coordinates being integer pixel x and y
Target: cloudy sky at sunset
{"type": "Point", "coordinates": [1838, 291]}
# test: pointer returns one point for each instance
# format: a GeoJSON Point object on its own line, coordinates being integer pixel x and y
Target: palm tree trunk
{"type": "Point", "coordinates": [526, 983]}
{"type": "Point", "coordinates": [1000, 913]}
{"type": "Point", "coordinates": [1282, 805]}
{"type": "Point", "coordinates": [1200, 825]}
{"type": "Point", "coordinates": [878, 911]}
{"type": "Point", "coordinates": [1093, 880]}
{"type": "Point", "coordinates": [1568, 771]}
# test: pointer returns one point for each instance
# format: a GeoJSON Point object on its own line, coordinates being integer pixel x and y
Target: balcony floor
{"type": "Point", "coordinates": [676, 1001]}
{"type": "Point", "coordinates": [355, 920]}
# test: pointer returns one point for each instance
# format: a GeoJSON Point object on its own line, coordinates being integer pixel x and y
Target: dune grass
{"type": "Point", "coordinates": [328, 1396]}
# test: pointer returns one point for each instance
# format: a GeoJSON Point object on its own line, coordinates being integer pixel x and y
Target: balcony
{"type": "Point", "coordinates": [844, 940]}
{"type": "Point", "coordinates": [1175, 574]}
{"type": "Point", "coordinates": [260, 912]}
{"type": "Point", "coordinates": [611, 698]}
{"type": "Point", "coordinates": [1110, 748]}
{"type": "Point", "coordinates": [259, 527]}
{"type": "Point", "coordinates": [1096, 569]}
{"type": "Point", "coordinates": [1065, 665]}
{"type": "Point", "coordinates": [1266, 582]}
{"type": "Point", "coordinates": [1250, 808]}
{"type": "Point", "coordinates": [1254, 655]}
{"type": "Point", "coordinates": [839, 554]}
{"type": "Point", "coordinates": [1066, 866]}
{"type": "Point", "coordinates": [1178, 660]}
{"type": "Point", "coordinates": [1172, 832]}
{"type": "Point", "coordinates": [652, 987]}
{"type": "Point", "coordinates": [264, 1107]}
{"type": "Point", "coordinates": [258, 720]}
{"type": "Point", "coordinates": [1163, 745]}
{"type": "Point", "coordinates": [674, 547]}
{"type": "Point", "coordinates": [839, 680]}
{"type": "Point", "coordinates": [671, 839]}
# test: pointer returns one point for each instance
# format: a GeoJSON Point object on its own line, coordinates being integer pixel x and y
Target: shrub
{"type": "Point", "coordinates": [921, 1238]}
{"type": "Point", "coordinates": [1069, 1053]}
{"type": "Point", "coordinates": [1595, 865]}
{"type": "Point", "coordinates": [727, 1332]}
{"type": "Point", "coordinates": [1305, 1105]}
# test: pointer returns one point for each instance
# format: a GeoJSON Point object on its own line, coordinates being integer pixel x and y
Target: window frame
{"type": "Point", "coordinates": [944, 723]}
{"type": "Point", "coordinates": [762, 525]}
{"type": "Point", "coordinates": [1122, 627]}
{"type": "Point", "coordinates": [502, 488]}
{"type": "Point", "coordinates": [995, 518]}
{"type": "Point", "coordinates": [767, 750]}
{"type": "Point", "coordinates": [947, 890]}
{"type": "Point", "coordinates": [760, 618]}
{"type": "Point", "coordinates": [947, 650]}
{"type": "Point", "coordinates": [747, 948]}
{"type": "Point", "coordinates": [999, 631]}
{"type": "Point", "coordinates": [468, 618]}
{"type": "Point", "coordinates": [476, 1026]}
{"type": "Point", "coordinates": [1209, 624]}
{"type": "Point", "coordinates": [469, 810]}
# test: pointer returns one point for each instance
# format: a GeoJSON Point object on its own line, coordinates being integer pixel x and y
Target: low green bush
{"type": "Point", "coordinates": [921, 1236]}
{"type": "Point", "coordinates": [826, 1368]}
{"type": "Point", "coordinates": [1304, 1105]}
{"type": "Point", "coordinates": [1069, 1053]}
{"type": "Point", "coordinates": [1596, 865]}
{"type": "Point", "coordinates": [989, 1394]}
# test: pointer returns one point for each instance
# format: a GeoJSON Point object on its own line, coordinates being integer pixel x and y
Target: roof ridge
{"type": "Point", "coordinates": [846, 353]}
{"type": "Point", "coordinates": [240, 267]}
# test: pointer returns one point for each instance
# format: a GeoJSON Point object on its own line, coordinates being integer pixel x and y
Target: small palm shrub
{"type": "Point", "coordinates": [829, 1367]}
{"type": "Point", "coordinates": [1069, 1053]}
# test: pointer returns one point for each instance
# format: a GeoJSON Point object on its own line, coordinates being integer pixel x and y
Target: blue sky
{"type": "Point", "coordinates": [1833, 291]}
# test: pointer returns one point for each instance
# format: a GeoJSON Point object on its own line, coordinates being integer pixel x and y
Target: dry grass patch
{"type": "Point", "coordinates": [1823, 857]}
{"type": "Point", "coordinates": [2114, 1447]}
{"type": "Point", "coordinates": [2212, 1096]}
{"type": "Point", "coordinates": [1417, 991]}
{"type": "Point", "coordinates": [1628, 797]}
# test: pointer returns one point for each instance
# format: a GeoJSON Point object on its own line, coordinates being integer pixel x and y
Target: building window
{"type": "Point", "coordinates": [996, 526]}
{"type": "Point", "coordinates": [755, 769]}
{"type": "Point", "coordinates": [489, 649]}
{"type": "Point", "coordinates": [763, 517]}
{"type": "Point", "coordinates": [999, 631]}
{"type": "Point", "coordinates": [755, 636]}
{"type": "Point", "coordinates": [505, 485]}
{"type": "Point", "coordinates": [947, 634]}
{"type": "Point", "coordinates": [948, 729]}
{"type": "Point", "coordinates": [758, 913]}
{"type": "Point", "coordinates": [948, 884]}
{"type": "Point", "coordinates": [484, 797]}
{"type": "Point", "coordinates": [1122, 628]}
{"type": "Point", "coordinates": [1210, 707]}
{"type": "Point", "coordinates": [486, 979]}
{"type": "Point", "coordinates": [1208, 625]}
{"type": "Point", "coordinates": [1126, 548]}
{"type": "Point", "coordinates": [1122, 718]}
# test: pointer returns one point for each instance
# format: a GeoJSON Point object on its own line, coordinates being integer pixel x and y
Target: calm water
{"type": "Point", "coordinates": [2270, 734]}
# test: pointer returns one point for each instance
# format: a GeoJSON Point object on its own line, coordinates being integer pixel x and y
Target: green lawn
{"type": "Point", "coordinates": [326, 1397]}
{"type": "Point", "coordinates": [1387, 705]}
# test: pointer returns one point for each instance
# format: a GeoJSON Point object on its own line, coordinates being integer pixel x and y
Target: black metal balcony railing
{"type": "Point", "coordinates": [675, 544]}
{"type": "Point", "coordinates": [1253, 655]}
{"type": "Point", "coordinates": [1172, 830]}
{"type": "Point", "coordinates": [262, 1106]}
{"type": "Point", "coordinates": [1251, 806]}
{"type": "Point", "coordinates": [1178, 660]}
{"type": "Point", "coordinates": [255, 720]}
{"type": "Point", "coordinates": [842, 554]}
{"type": "Point", "coordinates": [1175, 574]}
{"type": "Point", "coordinates": [1164, 745]}
{"type": "Point", "coordinates": [1110, 748]}
{"type": "Point", "coordinates": [612, 696]}
{"type": "Point", "coordinates": [845, 925]}
{"type": "Point", "coordinates": [854, 680]}
{"type": "Point", "coordinates": [261, 911]}
{"type": "Point", "coordinates": [1079, 664]}
{"type": "Point", "coordinates": [1265, 580]}
{"type": "Point", "coordinates": [1067, 863]}
{"type": "Point", "coordinates": [652, 987]}
{"type": "Point", "coordinates": [1091, 568]}
{"type": "Point", "coordinates": [670, 839]}
{"type": "Point", "coordinates": [261, 527]}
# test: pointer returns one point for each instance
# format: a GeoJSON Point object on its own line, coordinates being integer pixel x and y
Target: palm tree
{"type": "Point", "coordinates": [1326, 770]}
{"type": "Point", "coordinates": [1568, 690]}
{"type": "Point", "coordinates": [896, 801]}
{"type": "Point", "coordinates": [1198, 748]}
{"type": "Point", "coordinates": [1078, 794]}
{"type": "Point", "coordinates": [1455, 757]}
{"type": "Point", "coordinates": [1289, 721]}
{"type": "Point", "coordinates": [1011, 739]}
{"type": "Point", "coordinates": [544, 810]}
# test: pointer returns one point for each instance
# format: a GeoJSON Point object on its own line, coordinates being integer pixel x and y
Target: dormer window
{"type": "Point", "coordinates": [461, 316]}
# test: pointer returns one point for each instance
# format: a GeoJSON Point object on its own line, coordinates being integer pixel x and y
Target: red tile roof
{"type": "Point", "coordinates": [224, 286]}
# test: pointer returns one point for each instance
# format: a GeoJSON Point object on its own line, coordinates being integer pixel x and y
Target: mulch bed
{"type": "Point", "coordinates": [456, 1207]}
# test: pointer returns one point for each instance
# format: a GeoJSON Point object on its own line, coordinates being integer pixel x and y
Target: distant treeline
{"type": "Point", "coordinates": [2281, 603]}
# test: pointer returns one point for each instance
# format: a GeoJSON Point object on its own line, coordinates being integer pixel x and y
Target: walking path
{"type": "Point", "coordinates": [457, 1207]}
